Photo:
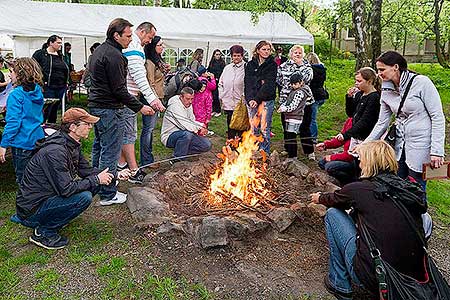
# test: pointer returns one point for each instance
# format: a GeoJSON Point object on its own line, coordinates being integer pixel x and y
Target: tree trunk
{"type": "Point", "coordinates": [438, 4]}
{"type": "Point", "coordinates": [359, 21]}
{"type": "Point", "coordinates": [156, 2]}
{"type": "Point", "coordinates": [375, 22]}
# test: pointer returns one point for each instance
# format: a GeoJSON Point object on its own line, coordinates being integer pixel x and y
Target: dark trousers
{"type": "Point", "coordinates": [232, 133]}
{"type": "Point", "coordinates": [57, 212]}
{"type": "Point", "coordinates": [290, 142]}
{"type": "Point", "coordinates": [216, 102]}
{"type": "Point", "coordinates": [20, 158]}
{"type": "Point", "coordinates": [51, 111]}
{"type": "Point", "coordinates": [343, 171]}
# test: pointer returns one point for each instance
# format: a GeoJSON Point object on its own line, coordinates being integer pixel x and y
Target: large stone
{"type": "Point", "coordinates": [296, 168]}
{"type": "Point", "coordinates": [147, 205]}
{"type": "Point", "coordinates": [213, 232]}
{"type": "Point", "coordinates": [275, 158]}
{"type": "Point", "coordinates": [318, 209]}
{"type": "Point", "coordinates": [281, 218]}
{"type": "Point", "coordinates": [242, 224]}
{"type": "Point", "coordinates": [330, 187]}
{"type": "Point", "coordinates": [169, 227]}
{"type": "Point", "coordinates": [320, 179]}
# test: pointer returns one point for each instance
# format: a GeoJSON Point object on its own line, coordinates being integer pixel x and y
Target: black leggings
{"type": "Point", "coordinates": [290, 138]}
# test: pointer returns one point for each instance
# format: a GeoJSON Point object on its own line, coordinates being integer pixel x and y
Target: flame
{"type": "Point", "coordinates": [239, 176]}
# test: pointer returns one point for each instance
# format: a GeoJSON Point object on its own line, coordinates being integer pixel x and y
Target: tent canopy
{"type": "Point", "coordinates": [179, 27]}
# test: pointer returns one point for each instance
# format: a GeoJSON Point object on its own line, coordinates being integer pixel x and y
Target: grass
{"type": "Point", "coordinates": [30, 272]}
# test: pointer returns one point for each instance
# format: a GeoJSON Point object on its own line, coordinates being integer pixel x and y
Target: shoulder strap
{"type": "Point", "coordinates": [408, 87]}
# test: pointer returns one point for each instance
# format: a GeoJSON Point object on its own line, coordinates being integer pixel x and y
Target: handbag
{"type": "Point", "coordinates": [391, 135]}
{"type": "Point", "coordinates": [393, 285]}
{"type": "Point", "coordinates": [239, 119]}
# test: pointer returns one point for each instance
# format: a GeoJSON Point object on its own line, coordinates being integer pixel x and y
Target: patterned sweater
{"type": "Point", "coordinates": [285, 72]}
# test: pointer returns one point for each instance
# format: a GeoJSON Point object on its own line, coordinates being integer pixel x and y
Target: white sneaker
{"type": "Point", "coordinates": [284, 153]}
{"type": "Point", "coordinates": [217, 114]}
{"type": "Point", "coordinates": [210, 133]}
{"type": "Point", "coordinates": [118, 199]}
{"type": "Point", "coordinates": [312, 156]}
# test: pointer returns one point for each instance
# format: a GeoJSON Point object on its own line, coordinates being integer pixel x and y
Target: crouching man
{"type": "Point", "coordinates": [58, 182]}
{"type": "Point", "coordinates": [179, 129]}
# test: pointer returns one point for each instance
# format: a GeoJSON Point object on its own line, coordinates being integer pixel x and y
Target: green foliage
{"type": "Point", "coordinates": [322, 46]}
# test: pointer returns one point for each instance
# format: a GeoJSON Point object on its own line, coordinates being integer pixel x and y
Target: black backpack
{"type": "Point", "coordinates": [174, 82]}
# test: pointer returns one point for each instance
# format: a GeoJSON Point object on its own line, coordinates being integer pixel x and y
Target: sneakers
{"type": "Point", "coordinates": [210, 133]}
{"type": "Point", "coordinates": [312, 156]}
{"type": "Point", "coordinates": [120, 168]}
{"type": "Point", "coordinates": [284, 153]}
{"type": "Point", "coordinates": [334, 291]}
{"type": "Point", "coordinates": [216, 114]}
{"type": "Point", "coordinates": [118, 199]}
{"type": "Point", "coordinates": [53, 242]}
{"type": "Point", "coordinates": [137, 177]}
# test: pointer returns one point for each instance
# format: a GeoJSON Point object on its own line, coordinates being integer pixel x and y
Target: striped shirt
{"type": "Point", "coordinates": [137, 74]}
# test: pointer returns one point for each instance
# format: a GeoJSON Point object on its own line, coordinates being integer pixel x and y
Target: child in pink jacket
{"type": "Point", "coordinates": [202, 103]}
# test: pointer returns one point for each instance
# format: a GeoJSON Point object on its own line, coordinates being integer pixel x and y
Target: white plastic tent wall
{"type": "Point", "coordinates": [31, 22]}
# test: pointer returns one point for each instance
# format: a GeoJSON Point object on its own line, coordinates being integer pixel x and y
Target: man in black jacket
{"type": "Point", "coordinates": [107, 96]}
{"type": "Point", "coordinates": [58, 182]}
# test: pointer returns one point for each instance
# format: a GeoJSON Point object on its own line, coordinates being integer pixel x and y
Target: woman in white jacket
{"type": "Point", "coordinates": [421, 122]}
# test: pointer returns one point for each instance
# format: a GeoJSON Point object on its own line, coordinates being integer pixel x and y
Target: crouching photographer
{"type": "Point", "coordinates": [58, 183]}
{"type": "Point", "coordinates": [381, 245]}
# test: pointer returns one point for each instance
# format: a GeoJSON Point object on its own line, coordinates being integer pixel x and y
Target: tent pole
{"type": "Point", "coordinates": [85, 52]}
{"type": "Point", "coordinates": [63, 101]}
{"type": "Point", "coordinates": [207, 53]}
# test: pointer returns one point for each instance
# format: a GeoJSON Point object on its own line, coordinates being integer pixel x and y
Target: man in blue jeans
{"type": "Point", "coordinates": [58, 182]}
{"type": "Point", "coordinates": [179, 129]}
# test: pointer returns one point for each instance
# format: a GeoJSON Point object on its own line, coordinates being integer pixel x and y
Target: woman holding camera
{"type": "Point", "coordinates": [350, 258]}
{"type": "Point", "coordinates": [421, 122]}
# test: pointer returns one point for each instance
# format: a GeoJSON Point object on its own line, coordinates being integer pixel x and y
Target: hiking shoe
{"type": "Point", "coordinates": [120, 168]}
{"type": "Point", "coordinates": [137, 177]}
{"type": "Point", "coordinates": [284, 153]}
{"type": "Point", "coordinates": [312, 156]}
{"type": "Point", "coordinates": [210, 133]}
{"type": "Point", "coordinates": [53, 242]}
{"type": "Point", "coordinates": [118, 199]}
{"type": "Point", "coordinates": [338, 294]}
{"type": "Point", "coordinates": [15, 218]}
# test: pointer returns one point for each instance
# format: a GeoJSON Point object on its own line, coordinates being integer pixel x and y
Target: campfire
{"type": "Point", "coordinates": [241, 178]}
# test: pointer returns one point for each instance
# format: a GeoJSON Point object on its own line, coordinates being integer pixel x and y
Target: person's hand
{"type": "Point", "coordinates": [436, 162]}
{"type": "Point", "coordinates": [157, 105]}
{"type": "Point", "coordinates": [327, 158]}
{"type": "Point", "coordinates": [315, 197]}
{"type": "Point", "coordinates": [2, 154]}
{"type": "Point", "coordinates": [340, 137]}
{"type": "Point", "coordinates": [352, 91]}
{"type": "Point", "coordinates": [253, 103]}
{"type": "Point", "coordinates": [104, 177]}
{"type": "Point", "coordinates": [320, 146]}
{"type": "Point", "coordinates": [124, 174]}
{"type": "Point", "coordinates": [203, 131]}
{"type": "Point", "coordinates": [147, 110]}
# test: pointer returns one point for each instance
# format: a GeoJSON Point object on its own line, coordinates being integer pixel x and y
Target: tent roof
{"type": "Point", "coordinates": [32, 18]}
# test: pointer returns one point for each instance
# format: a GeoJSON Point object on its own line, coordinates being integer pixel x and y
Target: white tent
{"type": "Point", "coordinates": [31, 22]}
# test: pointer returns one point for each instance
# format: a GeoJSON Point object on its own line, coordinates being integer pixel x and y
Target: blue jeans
{"type": "Point", "coordinates": [261, 122]}
{"type": "Point", "coordinates": [343, 171]}
{"type": "Point", "coordinates": [315, 107]}
{"type": "Point", "coordinates": [57, 212]}
{"type": "Point", "coordinates": [51, 111]}
{"type": "Point", "coordinates": [107, 145]}
{"type": "Point", "coordinates": [20, 158]}
{"type": "Point", "coordinates": [146, 139]}
{"type": "Point", "coordinates": [341, 235]}
{"type": "Point", "coordinates": [185, 143]}
{"type": "Point", "coordinates": [404, 171]}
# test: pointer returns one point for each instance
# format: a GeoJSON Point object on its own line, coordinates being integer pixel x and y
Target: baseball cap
{"type": "Point", "coordinates": [75, 114]}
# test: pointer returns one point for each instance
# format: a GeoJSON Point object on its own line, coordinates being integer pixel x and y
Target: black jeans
{"type": "Point", "coordinates": [216, 102]}
{"type": "Point", "coordinates": [290, 139]}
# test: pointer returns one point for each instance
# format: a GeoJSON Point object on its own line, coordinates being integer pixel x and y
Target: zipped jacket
{"type": "Point", "coordinates": [46, 61]}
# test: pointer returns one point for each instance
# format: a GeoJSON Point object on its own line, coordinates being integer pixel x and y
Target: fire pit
{"type": "Point", "coordinates": [216, 199]}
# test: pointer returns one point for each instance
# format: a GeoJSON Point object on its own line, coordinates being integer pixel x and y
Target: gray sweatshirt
{"type": "Point", "coordinates": [421, 123]}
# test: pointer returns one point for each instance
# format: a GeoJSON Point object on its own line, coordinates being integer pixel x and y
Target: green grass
{"type": "Point", "coordinates": [92, 239]}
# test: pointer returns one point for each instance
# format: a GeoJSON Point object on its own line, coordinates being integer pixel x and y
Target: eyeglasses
{"type": "Point", "coordinates": [85, 123]}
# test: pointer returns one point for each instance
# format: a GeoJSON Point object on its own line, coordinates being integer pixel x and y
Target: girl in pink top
{"type": "Point", "coordinates": [202, 104]}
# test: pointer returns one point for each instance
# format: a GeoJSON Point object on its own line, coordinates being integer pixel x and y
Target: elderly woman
{"type": "Point", "coordinates": [56, 74]}
{"type": "Point", "coordinates": [350, 259]}
{"type": "Point", "coordinates": [231, 86]}
{"type": "Point", "coordinates": [297, 64]}
{"type": "Point", "coordinates": [421, 123]}
{"type": "Point", "coordinates": [259, 89]}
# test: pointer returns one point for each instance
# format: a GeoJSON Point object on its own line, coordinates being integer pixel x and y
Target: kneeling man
{"type": "Point", "coordinates": [58, 182]}
{"type": "Point", "coordinates": [179, 129]}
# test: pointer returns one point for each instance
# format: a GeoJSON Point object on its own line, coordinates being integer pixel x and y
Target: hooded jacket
{"type": "Point", "coordinates": [23, 118]}
{"type": "Point", "coordinates": [57, 169]}
{"type": "Point", "coordinates": [259, 80]}
{"type": "Point", "coordinates": [317, 82]}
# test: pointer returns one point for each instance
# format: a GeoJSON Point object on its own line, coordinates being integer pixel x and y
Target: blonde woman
{"type": "Point", "coordinates": [197, 59]}
{"type": "Point", "coordinates": [350, 260]}
{"type": "Point", "coordinates": [297, 64]}
{"type": "Point", "coordinates": [259, 90]}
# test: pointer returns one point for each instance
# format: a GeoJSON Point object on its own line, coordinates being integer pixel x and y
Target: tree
{"type": "Point", "coordinates": [438, 5]}
{"type": "Point", "coordinates": [360, 26]}
{"type": "Point", "coordinates": [375, 30]}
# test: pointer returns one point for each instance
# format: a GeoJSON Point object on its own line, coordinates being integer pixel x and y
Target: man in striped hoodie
{"type": "Point", "coordinates": [138, 86]}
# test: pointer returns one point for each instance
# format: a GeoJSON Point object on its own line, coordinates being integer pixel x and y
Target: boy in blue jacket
{"type": "Point", "coordinates": [23, 114]}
